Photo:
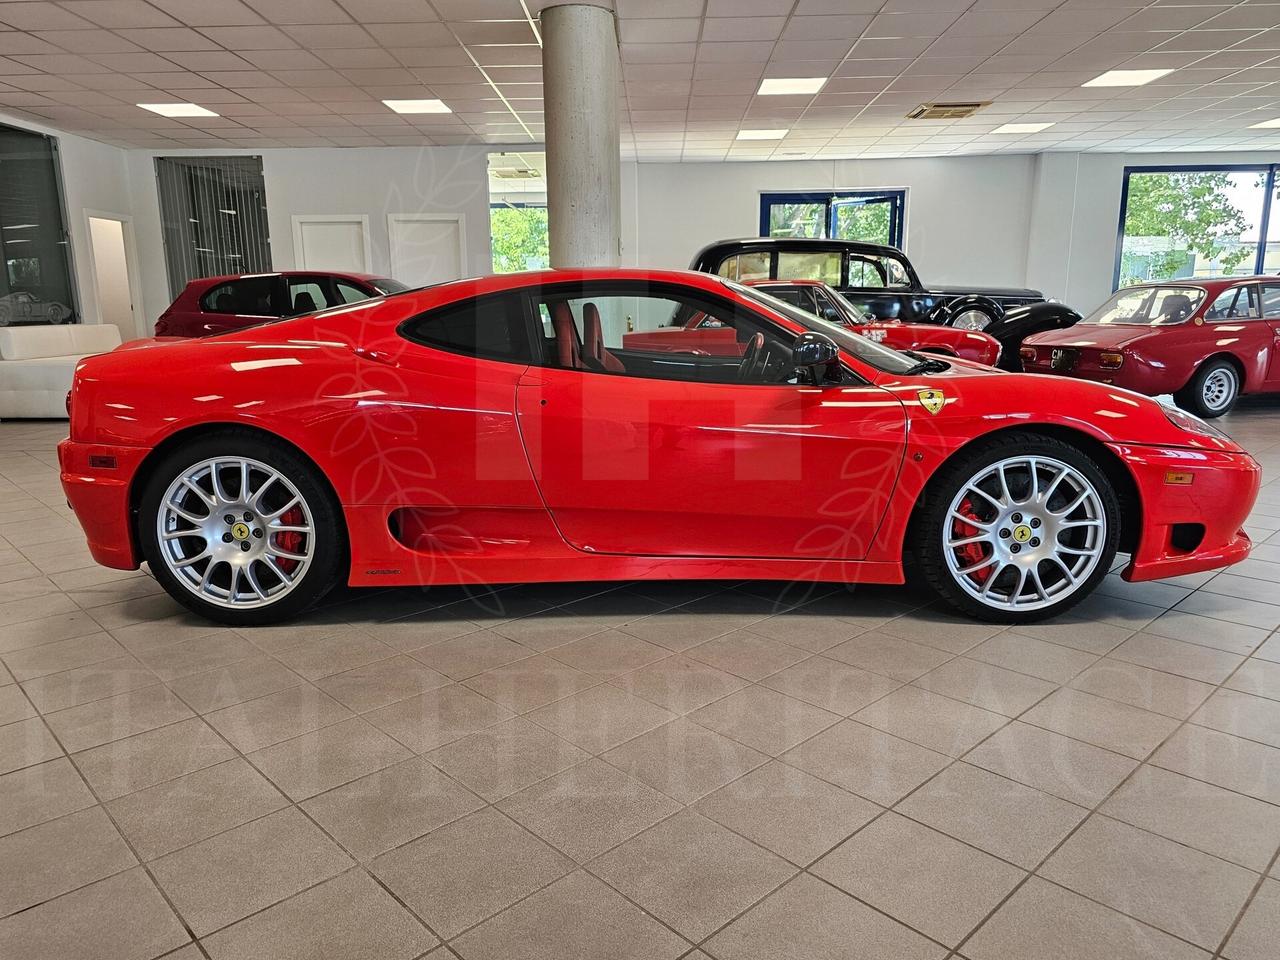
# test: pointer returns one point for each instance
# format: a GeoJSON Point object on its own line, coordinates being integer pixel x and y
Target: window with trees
{"type": "Point", "coordinates": [1181, 222]}
{"type": "Point", "coordinates": [869, 216]}
{"type": "Point", "coordinates": [518, 234]}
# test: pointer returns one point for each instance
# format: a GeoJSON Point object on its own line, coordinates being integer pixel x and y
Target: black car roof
{"type": "Point", "coordinates": [724, 248]}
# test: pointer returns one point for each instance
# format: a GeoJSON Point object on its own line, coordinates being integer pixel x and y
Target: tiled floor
{"type": "Point", "coordinates": [644, 770]}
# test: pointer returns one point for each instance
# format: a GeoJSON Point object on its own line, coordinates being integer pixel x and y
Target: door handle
{"type": "Point", "coordinates": [364, 353]}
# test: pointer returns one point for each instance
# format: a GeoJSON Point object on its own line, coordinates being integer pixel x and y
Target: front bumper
{"type": "Point", "coordinates": [96, 479]}
{"type": "Point", "coordinates": [1188, 527]}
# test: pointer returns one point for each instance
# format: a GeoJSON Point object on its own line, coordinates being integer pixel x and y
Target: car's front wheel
{"type": "Point", "coordinates": [241, 529]}
{"type": "Point", "coordinates": [1019, 529]}
{"type": "Point", "coordinates": [1213, 391]}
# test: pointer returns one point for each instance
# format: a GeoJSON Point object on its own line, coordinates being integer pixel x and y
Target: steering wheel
{"type": "Point", "coordinates": [754, 360]}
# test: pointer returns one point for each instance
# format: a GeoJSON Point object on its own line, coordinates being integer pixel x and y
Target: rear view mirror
{"type": "Point", "coordinates": [819, 355]}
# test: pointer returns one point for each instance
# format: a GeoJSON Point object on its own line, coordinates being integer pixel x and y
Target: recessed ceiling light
{"type": "Point", "coordinates": [1127, 78]}
{"type": "Point", "coordinates": [762, 134]}
{"type": "Point", "coordinates": [418, 106]}
{"type": "Point", "coordinates": [780, 86]}
{"type": "Point", "coordinates": [1265, 124]}
{"type": "Point", "coordinates": [1022, 128]}
{"type": "Point", "coordinates": [177, 109]}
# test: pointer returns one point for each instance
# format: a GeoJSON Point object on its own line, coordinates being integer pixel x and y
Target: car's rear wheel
{"type": "Point", "coordinates": [1019, 529]}
{"type": "Point", "coordinates": [241, 529]}
{"type": "Point", "coordinates": [1213, 391]}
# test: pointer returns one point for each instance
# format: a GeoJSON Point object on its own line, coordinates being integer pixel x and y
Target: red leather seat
{"type": "Point", "coordinates": [593, 340]}
{"type": "Point", "coordinates": [566, 336]}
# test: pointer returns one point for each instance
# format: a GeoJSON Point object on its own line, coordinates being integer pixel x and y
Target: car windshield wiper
{"type": "Point", "coordinates": [924, 364]}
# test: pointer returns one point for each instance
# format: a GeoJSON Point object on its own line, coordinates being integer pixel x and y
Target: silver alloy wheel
{"type": "Point", "coordinates": [1024, 533]}
{"type": "Point", "coordinates": [235, 532]}
{"type": "Point", "coordinates": [1219, 389]}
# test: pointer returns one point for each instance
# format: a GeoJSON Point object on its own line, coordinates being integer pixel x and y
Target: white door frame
{"type": "Point", "coordinates": [458, 218]}
{"type": "Point", "coordinates": [131, 265]}
{"type": "Point", "coordinates": [301, 218]}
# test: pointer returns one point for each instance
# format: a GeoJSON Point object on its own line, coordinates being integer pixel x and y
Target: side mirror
{"type": "Point", "coordinates": [819, 355]}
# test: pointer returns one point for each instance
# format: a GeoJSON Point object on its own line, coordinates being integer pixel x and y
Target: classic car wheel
{"type": "Point", "coordinates": [56, 314]}
{"type": "Point", "coordinates": [972, 318]}
{"type": "Point", "coordinates": [1212, 391]}
{"type": "Point", "coordinates": [240, 529]}
{"type": "Point", "coordinates": [1019, 530]}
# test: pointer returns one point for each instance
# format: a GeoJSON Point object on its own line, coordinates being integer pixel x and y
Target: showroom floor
{"type": "Point", "coordinates": [633, 770]}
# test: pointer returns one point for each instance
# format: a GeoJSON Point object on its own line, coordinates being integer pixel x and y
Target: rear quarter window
{"type": "Point", "coordinates": [251, 296]}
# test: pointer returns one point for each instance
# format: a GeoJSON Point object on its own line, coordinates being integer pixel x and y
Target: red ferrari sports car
{"type": "Point", "coordinates": [824, 301]}
{"type": "Point", "coordinates": [496, 430]}
{"type": "Point", "coordinates": [1204, 341]}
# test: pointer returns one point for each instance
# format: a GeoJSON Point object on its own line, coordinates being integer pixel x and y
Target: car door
{"type": "Point", "coordinates": [1234, 321]}
{"type": "Point", "coordinates": [1271, 317]}
{"type": "Point", "coordinates": [669, 454]}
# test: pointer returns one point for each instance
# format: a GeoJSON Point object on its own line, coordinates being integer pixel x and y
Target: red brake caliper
{"type": "Point", "coordinates": [289, 540]}
{"type": "Point", "coordinates": [970, 553]}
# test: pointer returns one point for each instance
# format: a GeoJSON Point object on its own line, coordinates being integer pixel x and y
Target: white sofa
{"type": "Point", "coordinates": [36, 364]}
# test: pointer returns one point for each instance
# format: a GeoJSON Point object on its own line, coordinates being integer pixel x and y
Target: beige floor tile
{"type": "Point", "coordinates": [1078, 633]}
{"type": "Point", "coordinates": [137, 711]}
{"type": "Point", "coordinates": [544, 631]}
{"type": "Point", "coordinates": [1058, 765]}
{"type": "Point", "coordinates": [25, 743]}
{"type": "Point", "coordinates": [679, 684]}
{"type": "Point", "coordinates": [53, 858]}
{"type": "Point", "coordinates": [1142, 687]}
{"type": "Point", "coordinates": [381, 683]}
{"type": "Point", "coordinates": [70, 688]}
{"type": "Point", "coordinates": [1104, 723]}
{"type": "Point", "coordinates": [683, 760]}
{"type": "Point", "coordinates": [747, 655]}
{"type": "Point", "coordinates": [1258, 932]}
{"type": "Point", "coordinates": [1036, 658]}
{"type": "Point", "coordinates": [51, 629]}
{"type": "Point", "coordinates": [437, 717]}
{"type": "Point", "coordinates": [605, 655]}
{"type": "Point", "coordinates": [831, 685]}
{"type": "Point", "coordinates": [812, 632]}
{"type": "Point", "coordinates": [1270, 650]}
{"type": "Point", "coordinates": [195, 656]}
{"type": "Point", "coordinates": [691, 873]}
{"type": "Point", "coordinates": [1243, 715]}
{"type": "Point", "coordinates": [422, 629]}
{"type": "Point", "coordinates": [225, 878]}
{"type": "Point", "coordinates": [194, 807]}
{"type": "Point", "coordinates": [464, 873]}
{"type": "Point", "coordinates": [1004, 818]}
{"type": "Point", "coordinates": [14, 705]}
{"type": "Point", "coordinates": [509, 756]}
{"type": "Point", "coordinates": [1259, 677]}
{"type": "Point", "coordinates": [469, 655]}
{"type": "Point", "coordinates": [1081, 930]}
{"type": "Point", "coordinates": [328, 757]}
{"type": "Point", "coordinates": [985, 685]}
{"type": "Point", "coordinates": [40, 793]}
{"type": "Point", "coordinates": [929, 881]}
{"type": "Point", "coordinates": [891, 656]}
{"type": "Point", "coordinates": [276, 717]}
{"type": "Point", "coordinates": [1240, 765]}
{"type": "Point", "coordinates": [600, 718]}
{"type": "Point", "coordinates": [323, 658]}
{"type": "Point", "coordinates": [31, 662]}
{"type": "Point", "coordinates": [227, 686]}
{"type": "Point", "coordinates": [869, 762]}
{"type": "Point", "coordinates": [1251, 613]}
{"type": "Point", "coordinates": [577, 916]}
{"type": "Point", "coordinates": [1208, 632]}
{"type": "Point", "coordinates": [1172, 887]}
{"type": "Point", "coordinates": [764, 720]}
{"type": "Point", "coordinates": [679, 629]}
{"type": "Point", "coordinates": [936, 627]}
{"type": "Point", "coordinates": [348, 916]}
{"type": "Point", "coordinates": [123, 917]}
{"type": "Point", "coordinates": [1174, 656]}
{"type": "Point", "coordinates": [135, 763]}
{"type": "Point", "coordinates": [937, 722]}
{"type": "Point", "coordinates": [788, 811]}
{"type": "Point", "coordinates": [534, 682]}
{"type": "Point", "coordinates": [393, 806]}
{"type": "Point", "coordinates": [168, 626]}
{"type": "Point", "coordinates": [808, 918]}
{"type": "Point", "coordinates": [588, 809]}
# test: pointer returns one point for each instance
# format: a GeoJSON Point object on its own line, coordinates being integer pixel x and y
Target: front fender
{"type": "Point", "coordinates": [1021, 322]}
{"type": "Point", "coordinates": [946, 312]}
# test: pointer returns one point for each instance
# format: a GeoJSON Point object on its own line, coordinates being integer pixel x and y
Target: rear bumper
{"type": "Point", "coordinates": [99, 495]}
{"type": "Point", "coordinates": [1135, 374]}
{"type": "Point", "coordinates": [1190, 527]}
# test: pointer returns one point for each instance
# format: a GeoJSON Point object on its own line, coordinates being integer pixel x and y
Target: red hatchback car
{"type": "Point", "coordinates": [1204, 341]}
{"type": "Point", "coordinates": [217, 304]}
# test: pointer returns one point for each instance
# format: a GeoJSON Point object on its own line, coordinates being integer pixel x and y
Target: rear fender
{"type": "Point", "coordinates": [1021, 322]}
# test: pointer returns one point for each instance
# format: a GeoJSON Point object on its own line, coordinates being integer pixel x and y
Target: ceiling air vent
{"type": "Point", "coordinates": [517, 173]}
{"type": "Point", "coordinates": [947, 111]}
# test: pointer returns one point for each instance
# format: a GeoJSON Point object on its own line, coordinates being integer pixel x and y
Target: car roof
{"type": "Point", "coordinates": [797, 282]}
{"type": "Point", "coordinates": [723, 248]}
{"type": "Point", "coordinates": [1208, 284]}
{"type": "Point", "coordinates": [340, 274]}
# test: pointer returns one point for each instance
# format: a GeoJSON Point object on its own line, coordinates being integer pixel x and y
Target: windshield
{"type": "Point", "coordinates": [880, 357]}
{"type": "Point", "coordinates": [386, 286]}
{"type": "Point", "coordinates": [1148, 306]}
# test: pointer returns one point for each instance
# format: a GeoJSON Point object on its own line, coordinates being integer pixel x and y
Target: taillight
{"type": "Point", "coordinates": [68, 404]}
{"type": "Point", "coordinates": [1110, 361]}
{"type": "Point", "coordinates": [1027, 353]}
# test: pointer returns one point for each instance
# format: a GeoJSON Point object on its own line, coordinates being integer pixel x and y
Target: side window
{"type": "Point", "coordinates": [250, 296]}
{"type": "Point", "coordinates": [745, 266]}
{"type": "Point", "coordinates": [490, 327]}
{"type": "Point", "coordinates": [1271, 301]}
{"type": "Point", "coordinates": [873, 272]}
{"type": "Point", "coordinates": [1237, 303]}
{"type": "Point", "coordinates": [810, 266]}
{"type": "Point", "coordinates": [306, 295]}
{"type": "Point", "coordinates": [347, 293]}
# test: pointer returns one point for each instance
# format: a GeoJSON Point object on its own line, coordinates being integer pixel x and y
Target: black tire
{"type": "Point", "coordinates": [1213, 391]}
{"type": "Point", "coordinates": [932, 524]}
{"type": "Point", "coordinates": [329, 551]}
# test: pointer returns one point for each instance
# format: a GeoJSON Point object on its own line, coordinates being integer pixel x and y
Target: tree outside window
{"type": "Point", "coordinates": [519, 238]}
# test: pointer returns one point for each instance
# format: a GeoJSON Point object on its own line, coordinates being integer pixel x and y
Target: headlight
{"type": "Point", "coordinates": [972, 320]}
{"type": "Point", "coordinates": [1193, 424]}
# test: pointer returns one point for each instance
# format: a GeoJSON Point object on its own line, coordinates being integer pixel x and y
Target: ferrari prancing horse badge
{"type": "Point", "coordinates": [932, 400]}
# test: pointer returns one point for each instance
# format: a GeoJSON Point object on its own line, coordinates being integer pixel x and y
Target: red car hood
{"type": "Point", "coordinates": [1110, 336]}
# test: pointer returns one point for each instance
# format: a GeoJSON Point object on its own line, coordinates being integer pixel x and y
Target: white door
{"type": "Point", "coordinates": [425, 248]}
{"type": "Point", "coordinates": [111, 275]}
{"type": "Point", "coordinates": [331, 243]}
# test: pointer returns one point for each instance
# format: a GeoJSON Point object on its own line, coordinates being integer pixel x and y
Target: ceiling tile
{"type": "Point", "coordinates": [388, 11]}
{"type": "Point", "coordinates": [164, 39]}
{"type": "Point", "coordinates": [203, 13]}
{"type": "Point", "coordinates": [300, 11]}
{"type": "Point", "coordinates": [334, 36]}
{"type": "Point", "coordinates": [659, 31]}
{"type": "Point", "coordinates": [119, 14]}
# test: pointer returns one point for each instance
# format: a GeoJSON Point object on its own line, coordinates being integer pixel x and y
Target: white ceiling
{"type": "Point", "coordinates": [313, 73]}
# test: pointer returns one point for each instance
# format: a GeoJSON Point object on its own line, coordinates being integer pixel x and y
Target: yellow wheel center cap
{"type": "Point", "coordinates": [1021, 533]}
{"type": "Point", "coordinates": [240, 531]}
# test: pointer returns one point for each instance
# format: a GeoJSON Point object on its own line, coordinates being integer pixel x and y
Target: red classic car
{"type": "Point", "coordinates": [218, 304]}
{"type": "Point", "coordinates": [496, 430]}
{"type": "Point", "coordinates": [1204, 341]}
{"type": "Point", "coordinates": [705, 333]}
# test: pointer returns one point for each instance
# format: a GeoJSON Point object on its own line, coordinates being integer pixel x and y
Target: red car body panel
{"type": "Point", "coordinates": [452, 469]}
{"type": "Point", "coordinates": [186, 317]}
{"type": "Point", "coordinates": [1163, 359]}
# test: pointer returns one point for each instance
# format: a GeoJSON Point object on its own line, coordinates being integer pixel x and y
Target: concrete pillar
{"type": "Point", "coordinates": [580, 96]}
